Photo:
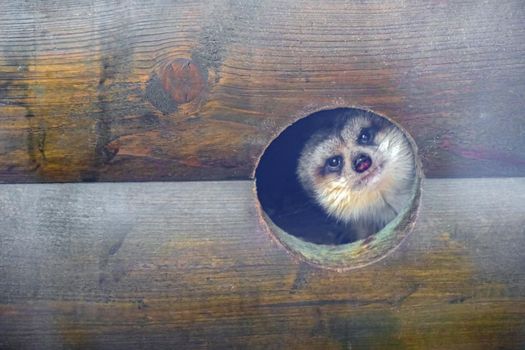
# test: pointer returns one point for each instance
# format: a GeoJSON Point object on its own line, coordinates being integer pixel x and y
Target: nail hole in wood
{"type": "Point", "coordinates": [340, 188]}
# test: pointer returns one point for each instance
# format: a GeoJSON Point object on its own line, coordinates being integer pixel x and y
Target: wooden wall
{"type": "Point", "coordinates": [160, 90]}
{"type": "Point", "coordinates": [189, 265]}
{"type": "Point", "coordinates": [195, 90]}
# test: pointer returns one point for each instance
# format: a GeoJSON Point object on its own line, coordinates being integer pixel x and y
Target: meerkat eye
{"type": "Point", "coordinates": [334, 164]}
{"type": "Point", "coordinates": [366, 136]}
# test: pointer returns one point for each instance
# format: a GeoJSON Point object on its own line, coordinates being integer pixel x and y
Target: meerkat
{"type": "Point", "coordinates": [360, 171]}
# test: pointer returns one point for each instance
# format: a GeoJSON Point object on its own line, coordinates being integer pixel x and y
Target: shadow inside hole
{"type": "Point", "coordinates": [280, 193]}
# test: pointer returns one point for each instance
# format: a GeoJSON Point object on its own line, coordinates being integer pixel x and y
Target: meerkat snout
{"type": "Point", "coordinates": [362, 163]}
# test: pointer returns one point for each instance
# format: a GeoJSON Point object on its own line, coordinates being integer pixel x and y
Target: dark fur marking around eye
{"type": "Point", "coordinates": [332, 165]}
{"type": "Point", "coordinates": [367, 135]}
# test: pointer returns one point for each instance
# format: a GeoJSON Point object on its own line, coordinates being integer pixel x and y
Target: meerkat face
{"type": "Point", "coordinates": [362, 167]}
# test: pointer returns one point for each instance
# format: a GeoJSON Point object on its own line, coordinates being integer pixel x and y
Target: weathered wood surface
{"type": "Point", "coordinates": [157, 90]}
{"type": "Point", "coordinates": [173, 265]}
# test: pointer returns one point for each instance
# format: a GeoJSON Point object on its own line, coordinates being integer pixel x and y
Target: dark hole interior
{"type": "Point", "coordinates": [280, 192]}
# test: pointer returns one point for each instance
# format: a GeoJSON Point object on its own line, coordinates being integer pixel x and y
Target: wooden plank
{"type": "Point", "coordinates": [171, 265]}
{"type": "Point", "coordinates": [102, 90]}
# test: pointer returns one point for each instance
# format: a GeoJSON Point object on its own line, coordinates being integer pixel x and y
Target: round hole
{"type": "Point", "coordinates": [340, 188]}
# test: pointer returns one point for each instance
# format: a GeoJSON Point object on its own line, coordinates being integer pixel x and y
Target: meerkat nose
{"type": "Point", "coordinates": [362, 162]}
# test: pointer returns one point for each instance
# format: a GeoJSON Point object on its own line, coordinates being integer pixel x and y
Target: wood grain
{"type": "Point", "coordinates": [80, 98]}
{"type": "Point", "coordinates": [173, 265]}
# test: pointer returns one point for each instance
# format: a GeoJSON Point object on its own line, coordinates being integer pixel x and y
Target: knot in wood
{"type": "Point", "coordinates": [182, 80]}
